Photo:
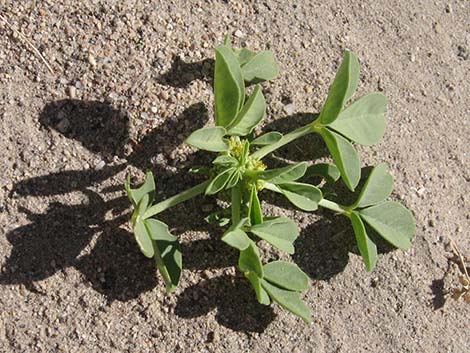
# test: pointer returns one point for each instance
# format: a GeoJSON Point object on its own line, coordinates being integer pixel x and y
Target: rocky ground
{"type": "Point", "coordinates": [129, 81]}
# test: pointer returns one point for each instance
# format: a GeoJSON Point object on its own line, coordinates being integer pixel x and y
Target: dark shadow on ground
{"type": "Point", "coordinates": [55, 239]}
{"type": "Point", "coordinates": [234, 300]}
{"type": "Point", "coordinates": [181, 73]}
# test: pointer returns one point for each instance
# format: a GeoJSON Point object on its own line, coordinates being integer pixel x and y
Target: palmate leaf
{"type": "Point", "coordinates": [229, 87]}
{"type": "Point", "coordinates": [261, 67]}
{"type": "Point", "coordinates": [220, 181]}
{"type": "Point", "coordinates": [167, 250]}
{"type": "Point", "coordinates": [143, 239]}
{"type": "Point", "coordinates": [343, 87]}
{"type": "Point", "coordinates": [147, 188]}
{"type": "Point", "coordinates": [392, 221]}
{"type": "Point", "coordinates": [345, 157]}
{"type": "Point", "coordinates": [366, 246]}
{"type": "Point", "coordinates": [267, 139]}
{"type": "Point", "coordinates": [280, 232]}
{"type": "Point", "coordinates": [155, 240]}
{"type": "Point", "coordinates": [289, 300]}
{"type": "Point", "coordinates": [236, 237]}
{"type": "Point", "coordinates": [209, 139]}
{"type": "Point", "coordinates": [285, 174]}
{"type": "Point", "coordinates": [286, 275]}
{"type": "Point", "coordinates": [327, 171]}
{"type": "Point", "coordinates": [243, 55]}
{"type": "Point", "coordinates": [250, 116]}
{"type": "Point", "coordinates": [363, 121]}
{"type": "Point", "coordinates": [304, 196]}
{"type": "Point", "coordinates": [226, 161]}
{"type": "Point", "coordinates": [378, 187]}
{"type": "Point", "coordinates": [261, 294]}
{"type": "Point", "coordinates": [249, 260]}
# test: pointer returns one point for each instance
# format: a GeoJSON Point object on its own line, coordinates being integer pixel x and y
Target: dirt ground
{"type": "Point", "coordinates": [131, 79]}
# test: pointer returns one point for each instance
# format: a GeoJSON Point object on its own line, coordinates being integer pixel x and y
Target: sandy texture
{"type": "Point", "coordinates": [130, 83]}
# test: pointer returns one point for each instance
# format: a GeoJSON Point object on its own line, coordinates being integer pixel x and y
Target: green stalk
{"type": "Point", "coordinates": [236, 203]}
{"type": "Point", "coordinates": [333, 206]}
{"type": "Point", "coordinates": [176, 199]}
{"type": "Point", "coordinates": [291, 136]}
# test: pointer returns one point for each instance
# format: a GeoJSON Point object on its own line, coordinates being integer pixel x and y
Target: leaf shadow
{"type": "Point", "coordinates": [234, 300]}
{"type": "Point", "coordinates": [182, 73]}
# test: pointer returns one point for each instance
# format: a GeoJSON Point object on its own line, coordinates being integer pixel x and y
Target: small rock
{"type": "Point", "coordinates": [308, 89]}
{"type": "Point", "coordinates": [289, 109]}
{"type": "Point", "coordinates": [449, 8]}
{"type": "Point", "coordinates": [100, 165]}
{"type": "Point", "coordinates": [437, 28]}
{"type": "Point", "coordinates": [72, 92]}
{"type": "Point", "coordinates": [63, 125]}
{"type": "Point", "coordinates": [92, 60]}
{"type": "Point", "coordinates": [238, 33]}
{"type": "Point", "coordinates": [154, 109]}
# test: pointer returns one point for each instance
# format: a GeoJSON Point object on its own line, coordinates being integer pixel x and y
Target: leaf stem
{"type": "Point", "coordinates": [287, 138]}
{"type": "Point", "coordinates": [333, 206]}
{"type": "Point", "coordinates": [176, 199]}
{"type": "Point", "coordinates": [236, 203]}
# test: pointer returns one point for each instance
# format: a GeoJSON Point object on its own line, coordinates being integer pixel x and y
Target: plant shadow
{"type": "Point", "coordinates": [181, 73]}
{"type": "Point", "coordinates": [91, 237]}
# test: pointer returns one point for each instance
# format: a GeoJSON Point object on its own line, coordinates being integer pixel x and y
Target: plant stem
{"type": "Point", "coordinates": [176, 199]}
{"type": "Point", "coordinates": [236, 203]}
{"type": "Point", "coordinates": [291, 136]}
{"type": "Point", "coordinates": [331, 205]}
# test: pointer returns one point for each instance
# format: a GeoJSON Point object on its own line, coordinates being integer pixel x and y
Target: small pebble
{"type": "Point", "coordinates": [92, 60]}
{"type": "Point", "coordinates": [238, 33]}
{"type": "Point", "coordinates": [63, 125]}
{"type": "Point", "coordinates": [100, 165]}
{"type": "Point", "coordinates": [289, 109]}
{"type": "Point", "coordinates": [72, 92]}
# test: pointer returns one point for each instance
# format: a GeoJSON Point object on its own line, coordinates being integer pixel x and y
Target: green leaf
{"type": "Point", "coordinates": [220, 218]}
{"type": "Point", "coordinates": [304, 196]}
{"type": "Point", "coordinates": [226, 161]}
{"type": "Point", "coordinates": [167, 253]}
{"type": "Point", "coordinates": [243, 55]}
{"type": "Point", "coordinates": [378, 187]}
{"type": "Point", "coordinates": [229, 87]}
{"type": "Point", "coordinates": [233, 180]}
{"type": "Point", "coordinates": [364, 120]}
{"type": "Point", "coordinates": [209, 139]}
{"type": "Point", "coordinates": [267, 139]}
{"type": "Point", "coordinates": [249, 260]}
{"type": "Point", "coordinates": [342, 89]}
{"type": "Point", "coordinates": [393, 221]}
{"type": "Point", "coordinates": [147, 188]}
{"type": "Point", "coordinates": [286, 275]}
{"type": "Point", "coordinates": [261, 67]}
{"type": "Point", "coordinates": [251, 114]}
{"type": "Point", "coordinates": [329, 172]}
{"type": "Point", "coordinates": [219, 182]}
{"type": "Point", "coordinates": [261, 294]}
{"type": "Point", "coordinates": [199, 169]}
{"type": "Point", "coordinates": [254, 210]}
{"type": "Point", "coordinates": [288, 300]}
{"type": "Point", "coordinates": [284, 175]}
{"type": "Point", "coordinates": [345, 157]}
{"type": "Point", "coordinates": [143, 239]}
{"type": "Point", "coordinates": [366, 246]}
{"type": "Point", "coordinates": [280, 232]}
{"type": "Point", "coordinates": [235, 237]}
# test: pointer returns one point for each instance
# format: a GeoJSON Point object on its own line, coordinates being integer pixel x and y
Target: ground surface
{"type": "Point", "coordinates": [130, 82]}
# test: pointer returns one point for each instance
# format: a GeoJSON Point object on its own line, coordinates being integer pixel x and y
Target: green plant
{"type": "Point", "coordinates": [239, 171]}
